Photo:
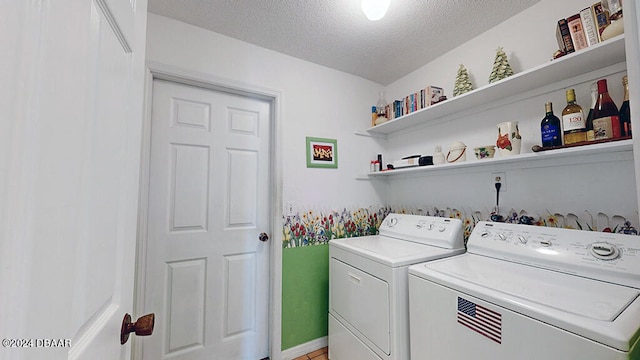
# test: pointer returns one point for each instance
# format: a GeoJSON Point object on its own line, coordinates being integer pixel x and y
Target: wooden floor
{"type": "Point", "coordinates": [321, 354]}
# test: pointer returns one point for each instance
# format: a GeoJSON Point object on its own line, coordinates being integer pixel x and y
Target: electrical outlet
{"type": "Point", "coordinates": [499, 177]}
{"type": "Point", "coordinates": [291, 208]}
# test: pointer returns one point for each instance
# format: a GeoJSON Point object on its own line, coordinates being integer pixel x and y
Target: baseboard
{"type": "Point", "coordinates": [305, 348]}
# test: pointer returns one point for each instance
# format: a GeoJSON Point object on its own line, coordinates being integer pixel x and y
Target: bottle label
{"type": "Point", "coordinates": [616, 129]}
{"type": "Point", "coordinates": [602, 127]}
{"type": "Point", "coordinates": [550, 134]}
{"type": "Point", "coordinates": [575, 137]}
{"type": "Point", "coordinates": [574, 121]}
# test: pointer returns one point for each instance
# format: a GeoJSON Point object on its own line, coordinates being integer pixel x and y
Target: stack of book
{"type": "Point", "coordinates": [414, 102]}
{"type": "Point", "coordinates": [582, 29]}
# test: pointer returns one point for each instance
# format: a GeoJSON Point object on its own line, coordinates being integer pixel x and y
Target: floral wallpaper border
{"type": "Point", "coordinates": [317, 227]}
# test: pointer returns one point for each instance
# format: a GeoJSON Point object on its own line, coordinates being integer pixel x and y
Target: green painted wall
{"type": "Point", "coordinates": [305, 294]}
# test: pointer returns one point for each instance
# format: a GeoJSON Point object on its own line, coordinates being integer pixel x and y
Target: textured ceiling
{"type": "Point", "coordinates": [336, 34]}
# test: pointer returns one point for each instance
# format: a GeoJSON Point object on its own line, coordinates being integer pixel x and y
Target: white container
{"type": "Point", "coordinates": [457, 152]}
{"type": "Point", "coordinates": [438, 156]}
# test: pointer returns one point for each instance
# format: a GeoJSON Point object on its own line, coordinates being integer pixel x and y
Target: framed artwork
{"type": "Point", "coordinates": [322, 153]}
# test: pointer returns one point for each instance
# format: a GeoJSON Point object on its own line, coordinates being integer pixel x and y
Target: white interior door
{"type": "Point", "coordinates": [207, 273]}
{"type": "Point", "coordinates": [69, 169]}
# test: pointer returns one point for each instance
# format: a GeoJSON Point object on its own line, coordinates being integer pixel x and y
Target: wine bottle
{"type": "Point", "coordinates": [606, 121]}
{"type": "Point", "coordinates": [625, 111]}
{"type": "Point", "coordinates": [573, 121]}
{"type": "Point", "coordinates": [589, 122]}
{"type": "Point", "coordinates": [550, 128]}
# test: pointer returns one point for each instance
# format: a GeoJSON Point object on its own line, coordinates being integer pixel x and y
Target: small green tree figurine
{"type": "Point", "coordinates": [463, 83]}
{"type": "Point", "coordinates": [501, 67]}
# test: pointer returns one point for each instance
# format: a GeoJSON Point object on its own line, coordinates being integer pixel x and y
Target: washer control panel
{"type": "Point", "coordinates": [437, 231]}
{"type": "Point", "coordinates": [603, 256]}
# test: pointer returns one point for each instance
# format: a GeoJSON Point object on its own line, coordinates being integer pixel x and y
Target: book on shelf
{"type": "Point", "coordinates": [582, 29]}
{"type": "Point", "coordinates": [601, 18]}
{"type": "Point", "coordinates": [589, 25]}
{"type": "Point", "coordinates": [577, 32]}
{"type": "Point", "coordinates": [397, 108]}
{"type": "Point", "coordinates": [433, 94]}
{"type": "Point", "coordinates": [414, 102]}
{"type": "Point", "coordinates": [564, 37]}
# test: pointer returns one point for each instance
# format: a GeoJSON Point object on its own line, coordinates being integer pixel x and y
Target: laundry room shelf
{"type": "Point", "coordinates": [593, 58]}
{"type": "Point", "coordinates": [575, 155]}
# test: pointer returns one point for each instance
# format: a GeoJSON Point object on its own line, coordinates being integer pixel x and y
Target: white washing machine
{"type": "Point", "coordinates": [529, 292]}
{"type": "Point", "coordinates": [368, 284]}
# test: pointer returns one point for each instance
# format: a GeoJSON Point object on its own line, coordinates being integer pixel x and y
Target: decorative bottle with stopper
{"type": "Point", "coordinates": [380, 108]}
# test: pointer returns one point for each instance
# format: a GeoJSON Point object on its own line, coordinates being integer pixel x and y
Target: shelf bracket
{"type": "Point", "coordinates": [371, 135]}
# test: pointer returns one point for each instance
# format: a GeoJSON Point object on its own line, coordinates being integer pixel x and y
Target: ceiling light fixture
{"type": "Point", "coordinates": [375, 9]}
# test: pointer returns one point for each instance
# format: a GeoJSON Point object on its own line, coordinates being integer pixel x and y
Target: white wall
{"type": "Point", "coordinates": [322, 102]}
{"type": "Point", "coordinates": [317, 101]}
{"type": "Point", "coordinates": [529, 40]}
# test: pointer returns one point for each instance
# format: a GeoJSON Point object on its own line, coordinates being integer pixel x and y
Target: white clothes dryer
{"type": "Point", "coordinates": [368, 284]}
{"type": "Point", "coordinates": [529, 292]}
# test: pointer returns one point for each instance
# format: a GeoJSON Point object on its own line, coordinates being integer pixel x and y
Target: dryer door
{"type": "Point", "coordinates": [362, 300]}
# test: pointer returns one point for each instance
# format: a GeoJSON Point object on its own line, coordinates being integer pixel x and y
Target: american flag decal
{"type": "Point", "coordinates": [480, 319]}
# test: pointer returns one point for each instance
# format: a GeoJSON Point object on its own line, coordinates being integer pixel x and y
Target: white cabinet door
{"type": "Point", "coordinates": [72, 74]}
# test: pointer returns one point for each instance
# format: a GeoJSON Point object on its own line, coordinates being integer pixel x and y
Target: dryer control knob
{"type": "Point", "coordinates": [522, 239]}
{"type": "Point", "coordinates": [442, 228]}
{"type": "Point", "coordinates": [604, 251]}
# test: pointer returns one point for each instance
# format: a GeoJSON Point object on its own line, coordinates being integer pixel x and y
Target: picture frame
{"type": "Point", "coordinates": [322, 153]}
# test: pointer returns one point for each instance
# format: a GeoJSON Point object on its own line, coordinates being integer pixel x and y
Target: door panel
{"type": "Point", "coordinates": [240, 289]}
{"type": "Point", "coordinates": [190, 188]}
{"type": "Point", "coordinates": [186, 314]}
{"type": "Point", "coordinates": [75, 129]}
{"type": "Point", "coordinates": [208, 201]}
{"type": "Point", "coordinates": [242, 187]}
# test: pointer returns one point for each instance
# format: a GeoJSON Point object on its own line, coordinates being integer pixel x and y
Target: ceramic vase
{"type": "Point", "coordinates": [509, 140]}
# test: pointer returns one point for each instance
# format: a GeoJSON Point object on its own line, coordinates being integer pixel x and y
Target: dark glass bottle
{"type": "Point", "coordinates": [606, 121]}
{"type": "Point", "coordinates": [594, 98]}
{"type": "Point", "coordinates": [550, 128]}
{"type": "Point", "coordinates": [625, 111]}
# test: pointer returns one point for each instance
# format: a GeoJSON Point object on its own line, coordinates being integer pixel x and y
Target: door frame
{"type": "Point", "coordinates": [159, 71]}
